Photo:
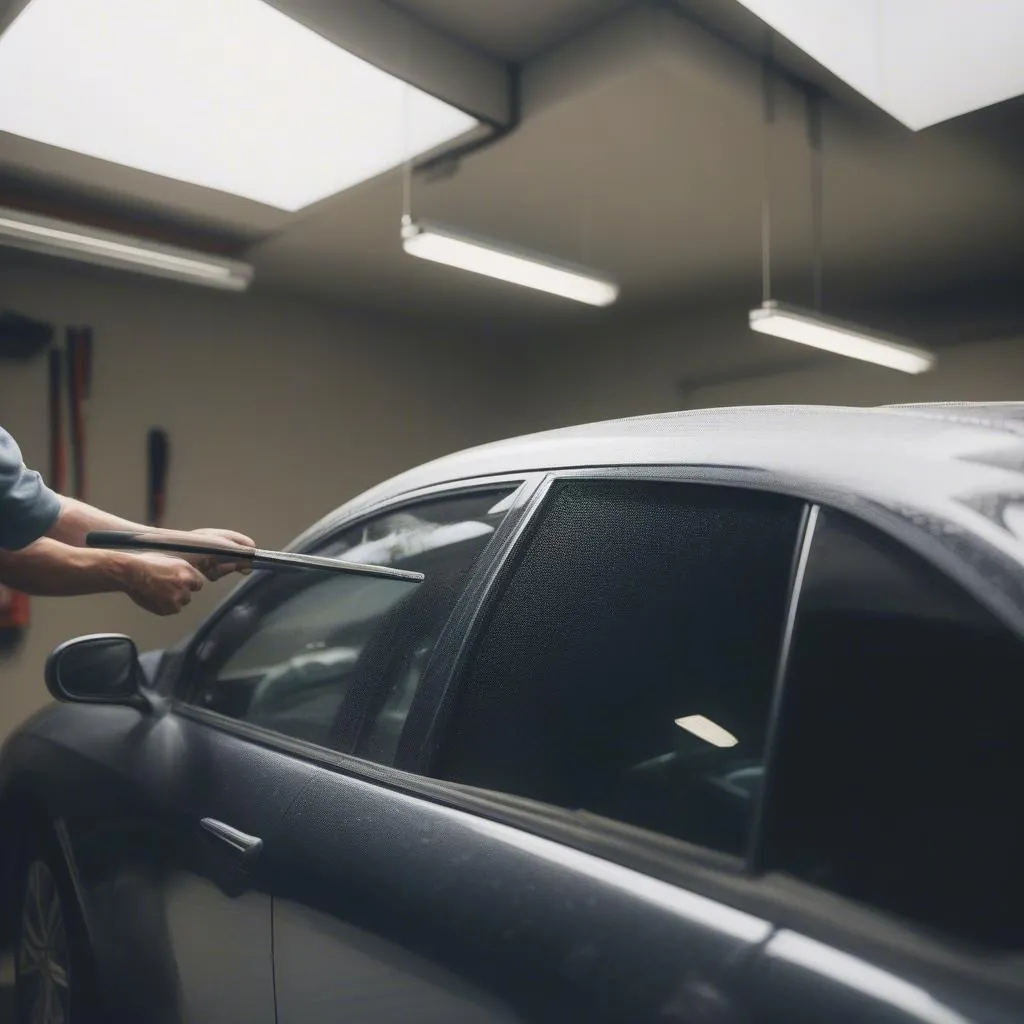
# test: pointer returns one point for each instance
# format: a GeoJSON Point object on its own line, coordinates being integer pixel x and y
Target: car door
{"type": "Point", "coordinates": [570, 802]}
{"type": "Point", "coordinates": [279, 684]}
{"type": "Point", "coordinates": [893, 829]}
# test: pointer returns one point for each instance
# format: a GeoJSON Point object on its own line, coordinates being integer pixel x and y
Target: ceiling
{"type": "Point", "coordinates": [640, 152]}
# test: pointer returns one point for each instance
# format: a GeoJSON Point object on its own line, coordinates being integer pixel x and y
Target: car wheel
{"type": "Point", "coordinates": [48, 976]}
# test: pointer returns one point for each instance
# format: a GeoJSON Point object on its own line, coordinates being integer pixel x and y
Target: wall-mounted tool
{"type": "Point", "coordinates": [159, 457]}
{"type": "Point", "coordinates": [79, 362]}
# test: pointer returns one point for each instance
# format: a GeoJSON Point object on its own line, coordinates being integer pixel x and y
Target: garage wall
{"type": "Point", "coordinates": [714, 359]}
{"type": "Point", "coordinates": [985, 371]}
{"type": "Point", "coordinates": [277, 412]}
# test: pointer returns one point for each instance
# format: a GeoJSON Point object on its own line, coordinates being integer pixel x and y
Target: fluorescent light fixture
{"type": "Point", "coordinates": [91, 245]}
{"type": "Point", "coordinates": [704, 729]}
{"type": "Point", "coordinates": [838, 337]}
{"type": "Point", "coordinates": [922, 61]}
{"type": "Point", "coordinates": [517, 266]}
{"type": "Point", "coordinates": [226, 94]}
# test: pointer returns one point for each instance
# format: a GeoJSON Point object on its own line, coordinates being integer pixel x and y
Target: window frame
{"type": "Point", "coordinates": [429, 741]}
{"type": "Point", "coordinates": [422, 748]}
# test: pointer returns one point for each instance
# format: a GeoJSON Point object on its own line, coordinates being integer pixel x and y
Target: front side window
{"type": "Point", "coordinates": [899, 758]}
{"type": "Point", "coordinates": [627, 664]}
{"type": "Point", "coordinates": [336, 659]}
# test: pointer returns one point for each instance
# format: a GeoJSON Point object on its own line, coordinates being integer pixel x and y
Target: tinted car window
{"type": "Point", "coordinates": [897, 780]}
{"type": "Point", "coordinates": [336, 659]}
{"type": "Point", "coordinates": [628, 663]}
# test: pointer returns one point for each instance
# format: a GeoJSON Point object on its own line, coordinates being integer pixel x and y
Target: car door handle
{"type": "Point", "coordinates": [246, 846]}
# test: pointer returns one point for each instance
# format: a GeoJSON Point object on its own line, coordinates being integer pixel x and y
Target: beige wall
{"type": "Point", "coordinates": [631, 372]}
{"type": "Point", "coordinates": [985, 371]}
{"type": "Point", "coordinates": [276, 413]}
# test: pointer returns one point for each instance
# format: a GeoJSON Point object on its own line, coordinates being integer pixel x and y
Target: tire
{"type": "Point", "coordinates": [51, 970]}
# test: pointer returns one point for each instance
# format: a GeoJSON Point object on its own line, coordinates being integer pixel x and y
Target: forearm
{"type": "Point", "coordinates": [49, 568]}
{"type": "Point", "coordinates": [77, 519]}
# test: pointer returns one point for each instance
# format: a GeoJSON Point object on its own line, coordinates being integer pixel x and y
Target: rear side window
{"type": "Point", "coordinates": [900, 754]}
{"type": "Point", "coordinates": [627, 664]}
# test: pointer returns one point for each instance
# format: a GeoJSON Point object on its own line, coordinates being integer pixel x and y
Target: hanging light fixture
{"type": "Point", "coordinates": [440, 244]}
{"type": "Point", "coordinates": [428, 240]}
{"type": "Point", "coordinates": [87, 244]}
{"type": "Point", "coordinates": [840, 338]}
{"type": "Point", "coordinates": [804, 326]}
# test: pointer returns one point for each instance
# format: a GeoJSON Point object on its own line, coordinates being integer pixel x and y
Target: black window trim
{"type": "Point", "coordinates": [418, 745]}
{"type": "Point", "coordinates": [802, 556]}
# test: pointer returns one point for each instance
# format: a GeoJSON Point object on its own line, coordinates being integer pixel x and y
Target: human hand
{"type": "Point", "coordinates": [215, 568]}
{"type": "Point", "coordinates": [160, 584]}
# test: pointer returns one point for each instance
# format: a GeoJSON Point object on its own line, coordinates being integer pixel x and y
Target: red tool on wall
{"type": "Point", "coordinates": [57, 478]}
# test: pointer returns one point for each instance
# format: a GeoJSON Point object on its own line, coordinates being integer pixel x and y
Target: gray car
{"type": "Point", "coordinates": [698, 717]}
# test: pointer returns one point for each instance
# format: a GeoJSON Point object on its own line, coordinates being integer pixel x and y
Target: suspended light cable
{"type": "Point", "coordinates": [800, 326]}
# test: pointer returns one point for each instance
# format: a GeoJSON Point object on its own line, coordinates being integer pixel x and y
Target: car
{"type": "Point", "coordinates": [707, 716]}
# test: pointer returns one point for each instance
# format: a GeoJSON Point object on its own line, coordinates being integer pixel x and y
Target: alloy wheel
{"type": "Point", "coordinates": [43, 964]}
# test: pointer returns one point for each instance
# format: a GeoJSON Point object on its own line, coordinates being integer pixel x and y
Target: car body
{"type": "Point", "coordinates": [697, 717]}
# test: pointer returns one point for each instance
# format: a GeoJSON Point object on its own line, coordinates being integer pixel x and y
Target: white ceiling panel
{"type": "Point", "coordinates": [922, 61]}
{"type": "Point", "coordinates": [232, 95]}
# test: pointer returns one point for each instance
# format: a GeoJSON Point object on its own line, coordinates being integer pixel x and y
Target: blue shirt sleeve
{"type": "Point", "coordinates": [28, 508]}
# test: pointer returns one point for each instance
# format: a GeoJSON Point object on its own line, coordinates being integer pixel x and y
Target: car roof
{"type": "Point", "coordinates": [946, 470]}
{"type": "Point", "coordinates": [850, 447]}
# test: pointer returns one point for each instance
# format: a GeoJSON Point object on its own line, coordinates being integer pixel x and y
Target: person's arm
{"type": "Point", "coordinates": [28, 508]}
{"type": "Point", "coordinates": [76, 519]}
{"type": "Point", "coordinates": [30, 511]}
{"type": "Point", "coordinates": [47, 568]}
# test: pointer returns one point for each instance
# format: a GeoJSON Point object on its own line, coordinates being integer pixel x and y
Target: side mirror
{"type": "Point", "coordinates": [99, 669]}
